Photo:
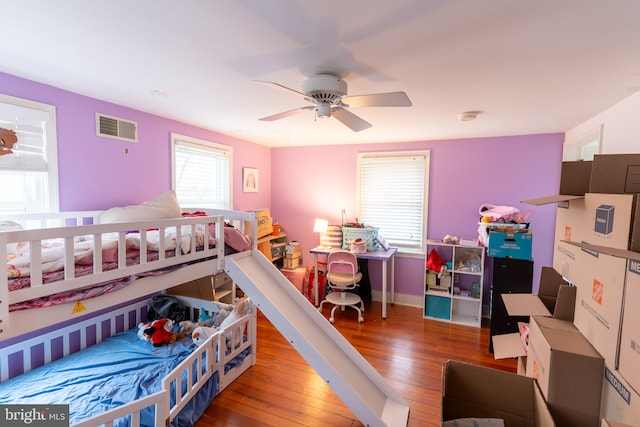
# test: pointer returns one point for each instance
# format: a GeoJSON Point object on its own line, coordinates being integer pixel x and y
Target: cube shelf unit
{"type": "Point", "coordinates": [273, 247]}
{"type": "Point", "coordinates": [460, 300]}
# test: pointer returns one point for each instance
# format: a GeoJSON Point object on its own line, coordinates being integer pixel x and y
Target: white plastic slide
{"type": "Point", "coordinates": [349, 374]}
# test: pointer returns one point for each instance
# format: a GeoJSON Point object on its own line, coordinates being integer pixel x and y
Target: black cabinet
{"type": "Point", "coordinates": [510, 276]}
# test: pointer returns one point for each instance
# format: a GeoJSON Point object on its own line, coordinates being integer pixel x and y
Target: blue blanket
{"type": "Point", "coordinates": [119, 370]}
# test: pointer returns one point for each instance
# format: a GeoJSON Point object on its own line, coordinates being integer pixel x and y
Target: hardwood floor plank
{"type": "Point", "coordinates": [282, 389]}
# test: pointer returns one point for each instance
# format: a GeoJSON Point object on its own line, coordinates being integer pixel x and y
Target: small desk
{"type": "Point", "coordinates": [380, 255]}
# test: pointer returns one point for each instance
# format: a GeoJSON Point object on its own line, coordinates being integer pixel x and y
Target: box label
{"type": "Point", "coordinates": [604, 219]}
{"type": "Point", "coordinates": [634, 266]}
{"type": "Point", "coordinates": [617, 385]}
{"type": "Point", "coordinates": [598, 290]}
{"type": "Point", "coordinates": [595, 313]}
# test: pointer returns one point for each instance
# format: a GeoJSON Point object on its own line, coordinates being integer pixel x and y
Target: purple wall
{"type": "Point", "coordinates": [301, 183]}
{"type": "Point", "coordinates": [318, 182]}
{"type": "Point", "coordinates": [95, 173]}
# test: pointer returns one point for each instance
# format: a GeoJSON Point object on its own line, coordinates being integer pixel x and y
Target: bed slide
{"type": "Point", "coordinates": [349, 374]}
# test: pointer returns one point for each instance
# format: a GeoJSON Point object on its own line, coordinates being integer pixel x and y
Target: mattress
{"type": "Point", "coordinates": [117, 371]}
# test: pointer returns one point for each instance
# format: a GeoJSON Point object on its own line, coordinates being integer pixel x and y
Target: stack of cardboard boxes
{"type": "Point", "coordinates": [292, 256]}
{"type": "Point", "coordinates": [597, 249]}
{"type": "Point", "coordinates": [585, 352]}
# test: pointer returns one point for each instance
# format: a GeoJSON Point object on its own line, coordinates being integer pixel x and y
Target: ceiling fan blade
{"type": "Point", "coordinates": [350, 120]}
{"type": "Point", "coordinates": [389, 99]}
{"type": "Point", "coordinates": [279, 86]}
{"type": "Point", "coordinates": [285, 114]}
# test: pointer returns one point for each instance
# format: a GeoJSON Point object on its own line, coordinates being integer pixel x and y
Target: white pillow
{"type": "Point", "coordinates": [163, 207]}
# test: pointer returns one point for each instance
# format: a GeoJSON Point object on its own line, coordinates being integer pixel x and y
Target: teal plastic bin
{"type": "Point", "coordinates": [437, 306]}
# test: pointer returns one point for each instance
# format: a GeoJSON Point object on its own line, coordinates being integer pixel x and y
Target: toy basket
{"type": "Point", "coordinates": [368, 234]}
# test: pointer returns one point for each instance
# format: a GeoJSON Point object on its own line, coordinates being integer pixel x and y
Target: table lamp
{"type": "Point", "coordinates": [320, 227]}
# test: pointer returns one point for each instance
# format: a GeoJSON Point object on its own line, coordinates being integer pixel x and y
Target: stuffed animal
{"type": "Point", "coordinates": [242, 307]}
{"type": "Point", "coordinates": [159, 332]}
{"type": "Point", "coordinates": [201, 333]}
{"type": "Point", "coordinates": [8, 139]}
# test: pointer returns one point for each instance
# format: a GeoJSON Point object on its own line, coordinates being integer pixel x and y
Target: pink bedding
{"type": "Point", "coordinates": [52, 254]}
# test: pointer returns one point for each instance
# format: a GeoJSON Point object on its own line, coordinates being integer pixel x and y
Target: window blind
{"type": "Point", "coordinates": [392, 196]}
{"type": "Point", "coordinates": [202, 174]}
{"type": "Point", "coordinates": [30, 171]}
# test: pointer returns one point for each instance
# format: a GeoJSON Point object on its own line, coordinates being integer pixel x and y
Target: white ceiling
{"type": "Point", "coordinates": [529, 66]}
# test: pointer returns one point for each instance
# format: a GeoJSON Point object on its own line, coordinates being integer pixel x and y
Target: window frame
{"type": "Point", "coordinates": [421, 249]}
{"type": "Point", "coordinates": [51, 188]}
{"type": "Point", "coordinates": [208, 146]}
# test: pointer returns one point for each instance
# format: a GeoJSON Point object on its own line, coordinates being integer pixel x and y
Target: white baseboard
{"type": "Point", "coordinates": [400, 299]}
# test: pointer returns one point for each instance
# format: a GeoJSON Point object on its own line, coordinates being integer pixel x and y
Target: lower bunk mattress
{"type": "Point", "coordinates": [116, 371]}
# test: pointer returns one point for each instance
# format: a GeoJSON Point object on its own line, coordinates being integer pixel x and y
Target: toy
{"type": "Point", "coordinates": [8, 139]}
{"type": "Point", "coordinates": [242, 307]}
{"type": "Point", "coordinates": [203, 316]}
{"type": "Point", "coordinates": [187, 326]}
{"type": "Point", "coordinates": [159, 332]}
{"type": "Point", "coordinates": [507, 214]}
{"type": "Point", "coordinates": [201, 333]}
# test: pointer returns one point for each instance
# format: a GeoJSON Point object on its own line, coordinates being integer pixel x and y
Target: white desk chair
{"type": "Point", "coordinates": [343, 276]}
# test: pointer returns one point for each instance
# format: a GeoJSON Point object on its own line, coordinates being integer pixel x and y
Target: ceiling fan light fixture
{"type": "Point", "coordinates": [323, 110]}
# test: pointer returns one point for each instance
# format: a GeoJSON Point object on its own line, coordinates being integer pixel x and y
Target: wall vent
{"type": "Point", "coordinates": [114, 127]}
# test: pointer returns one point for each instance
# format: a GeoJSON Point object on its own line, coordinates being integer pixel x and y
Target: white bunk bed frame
{"type": "Point", "coordinates": [70, 225]}
{"type": "Point", "coordinates": [21, 330]}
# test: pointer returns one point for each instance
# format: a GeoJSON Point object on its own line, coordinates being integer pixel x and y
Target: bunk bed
{"type": "Point", "coordinates": [77, 283]}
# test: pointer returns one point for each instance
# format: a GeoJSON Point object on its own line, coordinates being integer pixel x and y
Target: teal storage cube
{"type": "Point", "coordinates": [436, 306]}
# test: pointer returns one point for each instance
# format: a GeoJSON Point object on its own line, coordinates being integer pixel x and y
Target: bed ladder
{"type": "Point", "coordinates": [349, 374]}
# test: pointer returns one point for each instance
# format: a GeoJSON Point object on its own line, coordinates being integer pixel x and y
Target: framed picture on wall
{"type": "Point", "coordinates": [250, 182]}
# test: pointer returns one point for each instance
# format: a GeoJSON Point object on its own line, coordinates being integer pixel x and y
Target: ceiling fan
{"type": "Point", "coordinates": [328, 95]}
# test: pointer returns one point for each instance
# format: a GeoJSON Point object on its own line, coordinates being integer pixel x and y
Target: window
{"type": "Point", "coordinates": [30, 173]}
{"type": "Point", "coordinates": [201, 173]}
{"type": "Point", "coordinates": [392, 195]}
{"type": "Point", "coordinates": [584, 147]}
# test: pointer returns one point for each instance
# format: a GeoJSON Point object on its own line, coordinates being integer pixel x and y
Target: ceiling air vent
{"type": "Point", "coordinates": [113, 127]}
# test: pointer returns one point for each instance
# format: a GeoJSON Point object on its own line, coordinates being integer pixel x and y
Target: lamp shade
{"type": "Point", "coordinates": [320, 226]}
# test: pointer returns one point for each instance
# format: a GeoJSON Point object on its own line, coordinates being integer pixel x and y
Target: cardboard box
{"type": "Point", "coordinates": [555, 298]}
{"type": "Point", "coordinates": [476, 391]}
{"type": "Point", "coordinates": [293, 249]}
{"type": "Point", "coordinates": [575, 177]}
{"type": "Point", "coordinates": [575, 180]}
{"type": "Point", "coordinates": [292, 262]}
{"type": "Point", "coordinates": [629, 354]}
{"type": "Point", "coordinates": [599, 280]}
{"type": "Point", "coordinates": [565, 256]}
{"type": "Point", "coordinates": [600, 219]}
{"type": "Point", "coordinates": [615, 174]}
{"type": "Point", "coordinates": [569, 220]}
{"type": "Point", "coordinates": [265, 223]}
{"type": "Point", "coordinates": [568, 370]}
{"type": "Point", "coordinates": [611, 220]}
{"type": "Point", "coordinates": [510, 244]}
{"type": "Point", "coordinates": [610, 423]}
{"type": "Point", "coordinates": [619, 402]}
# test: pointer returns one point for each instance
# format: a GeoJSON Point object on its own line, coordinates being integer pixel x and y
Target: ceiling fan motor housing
{"type": "Point", "coordinates": [325, 88]}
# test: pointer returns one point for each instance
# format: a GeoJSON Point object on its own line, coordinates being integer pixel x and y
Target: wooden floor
{"type": "Point", "coordinates": [282, 389]}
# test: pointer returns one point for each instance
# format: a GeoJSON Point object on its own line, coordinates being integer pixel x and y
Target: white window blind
{"type": "Point", "coordinates": [29, 174]}
{"type": "Point", "coordinates": [201, 173]}
{"type": "Point", "coordinates": [392, 196]}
